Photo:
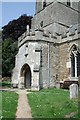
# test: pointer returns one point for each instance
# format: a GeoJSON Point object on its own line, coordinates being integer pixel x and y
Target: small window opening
{"type": "Point", "coordinates": [44, 3]}
{"type": "Point", "coordinates": [68, 3]}
{"type": "Point", "coordinates": [41, 24]}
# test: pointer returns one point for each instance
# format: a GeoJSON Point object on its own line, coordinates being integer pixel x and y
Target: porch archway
{"type": "Point", "coordinates": [26, 75]}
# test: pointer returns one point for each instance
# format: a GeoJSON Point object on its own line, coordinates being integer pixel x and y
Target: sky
{"type": "Point", "coordinates": [13, 10]}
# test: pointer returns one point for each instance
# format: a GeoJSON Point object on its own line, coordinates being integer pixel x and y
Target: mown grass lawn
{"type": "Point", "coordinates": [9, 104]}
{"type": "Point", "coordinates": [0, 104]}
{"type": "Point", "coordinates": [52, 103]}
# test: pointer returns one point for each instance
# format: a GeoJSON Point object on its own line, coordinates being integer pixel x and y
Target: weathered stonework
{"type": "Point", "coordinates": [63, 59]}
{"type": "Point", "coordinates": [47, 53]}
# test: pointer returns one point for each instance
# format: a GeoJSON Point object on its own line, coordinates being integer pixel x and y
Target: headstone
{"type": "Point", "coordinates": [0, 78]}
{"type": "Point", "coordinates": [79, 97]}
{"type": "Point", "coordinates": [57, 84]}
{"type": "Point", "coordinates": [73, 91]}
{"type": "Point", "coordinates": [79, 83]}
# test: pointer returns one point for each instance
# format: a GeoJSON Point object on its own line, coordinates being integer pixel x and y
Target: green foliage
{"type": "Point", "coordinates": [51, 103]}
{"type": "Point", "coordinates": [10, 34]}
{"type": "Point", "coordinates": [16, 27]}
{"type": "Point", "coordinates": [0, 52]}
{"type": "Point", "coordinates": [0, 105]}
{"type": "Point", "coordinates": [9, 104]}
{"type": "Point", "coordinates": [5, 84]}
{"type": "Point", "coordinates": [9, 50]}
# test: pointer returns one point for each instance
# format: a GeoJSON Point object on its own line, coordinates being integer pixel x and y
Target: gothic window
{"type": "Point", "coordinates": [75, 62]}
{"type": "Point", "coordinates": [78, 64]}
{"type": "Point", "coordinates": [44, 3]}
{"type": "Point", "coordinates": [68, 3]}
{"type": "Point", "coordinates": [72, 65]}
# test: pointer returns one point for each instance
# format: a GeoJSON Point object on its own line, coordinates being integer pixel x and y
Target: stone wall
{"type": "Point", "coordinates": [39, 4]}
{"type": "Point", "coordinates": [64, 59]}
{"type": "Point", "coordinates": [44, 66]}
{"type": "Point", "coordinates": [53, 64]}
{"type": "Point", "coordinates": [49, 65]}
{"type": "Point", "coordinates": [58, 15]}
{"type": "Point", "coordinates": [41, 58]}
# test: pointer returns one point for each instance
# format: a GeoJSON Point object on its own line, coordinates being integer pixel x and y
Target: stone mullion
{"type": "Point", "coordinates": [75, 65]}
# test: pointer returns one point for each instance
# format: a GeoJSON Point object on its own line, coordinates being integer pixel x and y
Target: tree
{"type": "Point", "coordinates": [10, 34]}
{"type": "Point", "coordinates": [16, 28]}
{"type": "Point", "coordinates": [9, 50]}
{"type": "Point", "coordinates": [0, 52]}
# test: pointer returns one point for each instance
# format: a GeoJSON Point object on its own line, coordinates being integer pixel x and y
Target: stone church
{"type": "Point", "coordinates": [49, 52]}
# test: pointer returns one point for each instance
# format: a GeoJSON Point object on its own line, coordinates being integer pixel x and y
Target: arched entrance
{"type": "Point", "coordinates": [26, 75]}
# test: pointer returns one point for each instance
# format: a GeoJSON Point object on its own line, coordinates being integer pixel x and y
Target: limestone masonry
{"type": "Point", "coordinates": [50, 51]}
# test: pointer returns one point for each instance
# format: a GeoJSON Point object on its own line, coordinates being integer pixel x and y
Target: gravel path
{"type": "Point", "coordinates": [23, 109]}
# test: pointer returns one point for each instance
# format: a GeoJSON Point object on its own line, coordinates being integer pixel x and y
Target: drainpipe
{"type": "Point", "coordinates": [48, 65]}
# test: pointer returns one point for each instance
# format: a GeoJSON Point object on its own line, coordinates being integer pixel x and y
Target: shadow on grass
{"type": "Point", "coordinates": [5, 84]}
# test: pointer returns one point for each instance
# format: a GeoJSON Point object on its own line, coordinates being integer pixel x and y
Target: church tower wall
{"type": "Point", "coordinates": [56, 17]}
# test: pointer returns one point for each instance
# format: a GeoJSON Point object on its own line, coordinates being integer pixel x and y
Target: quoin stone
{"type": "Point", "coordinates": [73, 91]}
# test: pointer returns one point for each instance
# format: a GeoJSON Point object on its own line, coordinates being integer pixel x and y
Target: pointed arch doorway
{"type": "Point", "coordinates": [26, 76]}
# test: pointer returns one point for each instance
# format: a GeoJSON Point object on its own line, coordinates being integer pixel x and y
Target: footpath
{"type": "Point", "coordinates": [23, 109]}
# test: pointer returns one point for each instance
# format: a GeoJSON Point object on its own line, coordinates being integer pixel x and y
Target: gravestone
{"type": "Point", "coordinates": [79, 82]}
{"type": "Point", "coordinates": [79, 97]}
{"type": "Point", "coordinates": [57, 84]}
{"type": "Point", "coordinates": [73, 91]}
{"type": "Point", "coordinates": [0, 78]}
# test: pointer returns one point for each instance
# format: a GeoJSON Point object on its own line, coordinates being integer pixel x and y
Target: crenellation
{"type": "Point", "coordinates": [46, 35]}
{"type": "Point", "coordinates": [53, 37]}
{"type": "Point", "coordinates": [72, 35]}
{"type": "Point", "coordinates": [64, 35]}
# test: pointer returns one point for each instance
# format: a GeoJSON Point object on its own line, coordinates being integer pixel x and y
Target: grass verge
{"type": "Point", "coordinates": [0, 104]}
{"type": "Point", "coordinates": [9, 104]}
{"type": "Point", "coordinates": [52, 103]}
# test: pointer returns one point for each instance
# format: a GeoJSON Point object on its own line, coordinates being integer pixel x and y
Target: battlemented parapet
{"type": "Point", "coordinates": [72, 33]}
{"type": "Point", "coordinates": [38, 35]}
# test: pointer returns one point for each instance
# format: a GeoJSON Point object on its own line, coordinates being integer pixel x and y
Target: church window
{"type": "Point", "coordinates": [75, 63]}
{"type": "Point", "coordinates": [44, 3]}
{"type": "Point", "coordinates": [68, 3]}
{"type": "Point", "coordinates": [78, 64]}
